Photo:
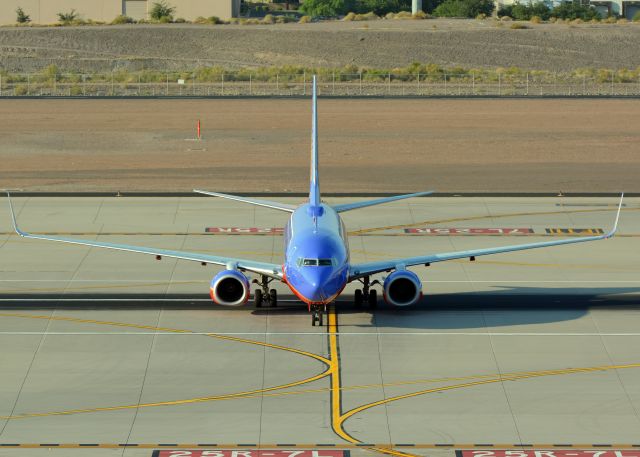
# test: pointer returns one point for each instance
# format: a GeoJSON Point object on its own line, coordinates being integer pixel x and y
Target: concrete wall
{"type": "Point", "coordinates": [46, 11]}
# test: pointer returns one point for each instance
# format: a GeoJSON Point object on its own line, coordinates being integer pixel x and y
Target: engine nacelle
{"type": "Point", "coordinates": [230, 288]}
{"type": "Point", "coordinates": [402, 288]}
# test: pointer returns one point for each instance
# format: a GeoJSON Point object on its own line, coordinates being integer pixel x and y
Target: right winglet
{"type": "Point", "coordinates": [615, 224]}
{"type": "Point", "coordinates": [13, 217]}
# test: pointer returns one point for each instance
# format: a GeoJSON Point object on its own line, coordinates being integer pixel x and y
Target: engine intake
{"type": "Point", "coordinates": [230, 288]}
{"type": "Point", "coordinates": [402, 288]}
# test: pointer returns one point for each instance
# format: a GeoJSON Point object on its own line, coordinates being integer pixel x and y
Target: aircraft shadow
{"type": "Point", "coordinates": [501, 306]}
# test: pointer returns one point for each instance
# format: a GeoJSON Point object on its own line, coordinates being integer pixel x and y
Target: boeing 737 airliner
{"type": "Point", "coordinates": [316, 263]}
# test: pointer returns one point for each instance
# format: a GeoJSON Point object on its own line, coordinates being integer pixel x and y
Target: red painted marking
{"type": "Point", "coordinates": [274, 230]}
{"type": "Point", "coordinates": [549, 453]}
{"type": "Point", "coordinates": [469, 231]}
{"type": "Point", "coordinates": [248, 453]}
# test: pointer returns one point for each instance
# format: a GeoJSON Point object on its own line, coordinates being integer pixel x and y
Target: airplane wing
{"type": "Point", "coordinates": [379, 201]}
{"type": "Point", "coordinates": [364, 269]}
{"type": "Point", "coordinates": [253, 201]}
{"type": "Point", "coordinates": [269, 269]}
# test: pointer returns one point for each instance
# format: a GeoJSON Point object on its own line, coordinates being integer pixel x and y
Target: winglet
{"type": "Point", "coordinates": [13, 217]}
{"type": "Point", "coordinates": [615, 224]}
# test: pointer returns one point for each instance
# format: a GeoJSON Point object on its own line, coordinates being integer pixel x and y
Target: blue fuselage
{"type": "Point", "coordinates": [316, 257]}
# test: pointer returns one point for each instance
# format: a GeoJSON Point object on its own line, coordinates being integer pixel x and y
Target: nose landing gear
{"type": "Point", "coordinates": [317, 314]}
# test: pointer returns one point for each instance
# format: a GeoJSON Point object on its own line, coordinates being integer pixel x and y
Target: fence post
{"type": "Point", "coordinates": [527, 84]}
{"type": "Point", "coordinates": [389, 84]}
{"type": "Point", "coordinates": [250, 84]}
{"type": "Point", "coordinates": [0, 84]}
{"type": "Point", "coordinates": [361, 82]}
{"type": "Point", "coordinates": [222, 78]}
{"type": "Point", "coordinates": [28, 83]}
{"type": "Point", "coordinates": [277, 83]}
{"type": "Point", "coordinates": [499, 84]}
{"type": "Point", "coordinates": [445, 84]}
{"type": "Point", "coordinates": [611, 82]}
{"type": "Point", "coordinates": [333, 84]}
{"type": "Point", "coordinates": [166, 89]}
{"type": "Point", "coordinates": [418, 83]}
{"type": "Point", "coordinates": [304, 83]}
{"type": "Point", "coordinates": [584, 85]}
{"type": "Point", "coordinates": [473, 83]}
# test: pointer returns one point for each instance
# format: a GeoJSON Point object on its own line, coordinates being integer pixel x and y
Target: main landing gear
{"type": "Point", "coordinates": [264, 295]}
{"type": "Point", "coordinates": [366, 294]}
{"type": "Point", "coordinates": [317, 313]}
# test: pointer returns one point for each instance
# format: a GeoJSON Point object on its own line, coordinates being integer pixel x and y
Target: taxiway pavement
{"type": "Point", "coordinates": [107, 349]}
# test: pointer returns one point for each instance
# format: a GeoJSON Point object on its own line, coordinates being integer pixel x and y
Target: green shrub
{"type": "Point", "coordinates": [518, 26]}
{"type": "Point", "coordinates": [67, 18]}
{"type": "Point", "coordinates": [524, 12]}
{"type": "Point", "coordinates": [636, 17]}
{"type": "Point", "coordinates": [536, 20]}
{"type": "Point", "coordinates": [22, 17]}
{"type": "Point", "coordinates": [122, 19]}
{"type": "Point", "coordinates": [20, 90]}
{"type": "Point", "coordinates": [268, 19]}
{"type": "Point", "coordinates": [464, 8]}
{"type": "Point", "coordinates": [162, 10]}
{"type": "Point", "coordinates": [574, 10]}
{"type": "Point", "coordinates": [382, 7]}
{"type": "Point", "coordinates": [327, 7]}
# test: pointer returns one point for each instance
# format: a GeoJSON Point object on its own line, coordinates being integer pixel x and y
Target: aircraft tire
{"type": "Point", "coordinates": [358, 298]}
{"type": "Point", "coordinates": [257, 298]}
{"type": "Point", "coordinates": [273, 298]}
{"type": "Point", "coordinates": [373, 299]}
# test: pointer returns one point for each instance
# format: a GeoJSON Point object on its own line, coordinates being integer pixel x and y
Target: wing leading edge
{"type": "Point", "coordinates": [365, 269]}
{"type": "Point", "coordinates": [263, 268]}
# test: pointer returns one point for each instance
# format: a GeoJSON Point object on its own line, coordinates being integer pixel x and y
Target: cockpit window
{"type": "Point", "coordinates": [315, 262]}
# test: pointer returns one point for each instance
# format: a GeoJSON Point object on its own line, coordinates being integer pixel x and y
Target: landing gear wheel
{"type": "Point", "coordinates": [273, 298]}
{"type": "Point", "coordinates": [373, 299]}
{"type": "Point", "coordinates": [257, 298]}
{"type": "Point", "coordinates": [358, 298]}
{"type": "Point", "coordinates": [316, 317]}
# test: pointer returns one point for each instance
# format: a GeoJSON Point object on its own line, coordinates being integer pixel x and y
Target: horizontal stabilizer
{"type": "Point", "coordinates": [379, 201]}
{"type": "Point", "coordinates": [252, 201]}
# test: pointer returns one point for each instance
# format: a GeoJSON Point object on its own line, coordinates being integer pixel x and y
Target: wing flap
{"type": "Point", "coordinates": [252, 201]}
{"type": "Point", "coordinates": [379, 201]}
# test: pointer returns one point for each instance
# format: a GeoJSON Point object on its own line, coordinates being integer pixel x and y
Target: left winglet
{"type": "Point", "coordinates": [13, 217]}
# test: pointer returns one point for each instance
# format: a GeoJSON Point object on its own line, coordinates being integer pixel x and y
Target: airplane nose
{"type": "Point", "coordinates": [316, 281]}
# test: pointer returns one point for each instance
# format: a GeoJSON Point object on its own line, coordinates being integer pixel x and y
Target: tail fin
{"type": "Point", "coordinates": [314, 188]}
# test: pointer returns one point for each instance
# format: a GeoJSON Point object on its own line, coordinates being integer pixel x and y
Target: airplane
{"type": "Point", "coordinates": [316, 264]}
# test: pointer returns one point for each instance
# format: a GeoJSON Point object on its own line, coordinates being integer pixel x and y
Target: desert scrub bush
{"type": "Point", "coordinates": [636, 17]}
{"type": "Point", "coordinates": [481, 16]}
{"type": "Point", "coordinates": [122, 19]}
{"type": "Point", "coordinates": [622, 20]}
{"type": "Point", "coordinates": [535, 20]}
{"type": "Point", "coordinates": [518, 26]}
{"type": "Point", "coordinates": [22, 17]}
{"type": "Point", "coordinates": [20, 89]}
{"type": "Point", "coordinates": [162, 10]}
{"type": "Point", "coordinates": [304, 20]}
{"type": "Point", "coordinates": [67, 18]}
{"type": "Point", "coordinates": [268, 19]}
{"type": "Point", "coordinates": [180, 20]}
{"type": "Point", "coordinates": [420, 15]}
{"type": "Point", "coordinates": [370, 16]}
{"type": "Point", "coordinates": [506, 19]}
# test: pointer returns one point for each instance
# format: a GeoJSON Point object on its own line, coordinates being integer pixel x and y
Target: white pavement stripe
{"type": "Point", "coordinates": [324, 333]}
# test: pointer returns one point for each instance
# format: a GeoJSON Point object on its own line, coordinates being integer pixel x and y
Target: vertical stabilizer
{"type": "Point", "coordinates": [314, 190]}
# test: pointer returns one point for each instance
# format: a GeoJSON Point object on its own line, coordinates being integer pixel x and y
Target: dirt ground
{"type": "Point", "coordinates": [379, 44]}
{"type": "Point", "coordinates": [365, 145]}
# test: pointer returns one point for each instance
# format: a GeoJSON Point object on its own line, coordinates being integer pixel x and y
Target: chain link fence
{"type": "Point", "coordinates": [156, 84]}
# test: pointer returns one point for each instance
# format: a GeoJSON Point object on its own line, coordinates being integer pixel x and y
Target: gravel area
{"type": "Point", "coordinates": [365, 145]}
{"type": "Point", "coordinates": [380, 44]}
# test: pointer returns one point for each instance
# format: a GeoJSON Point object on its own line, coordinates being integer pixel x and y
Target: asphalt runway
{"type": "Point", "coordinates": [113, 353]}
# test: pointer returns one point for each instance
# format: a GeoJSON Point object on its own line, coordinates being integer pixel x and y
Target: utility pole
{"type": "Point", "coordinates": [416, 6]}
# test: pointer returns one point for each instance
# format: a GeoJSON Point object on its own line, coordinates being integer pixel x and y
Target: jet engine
{"type": "Point", "coordinates": [402, 288]}
{"type": "Point", "coordinates": [230, 288]}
